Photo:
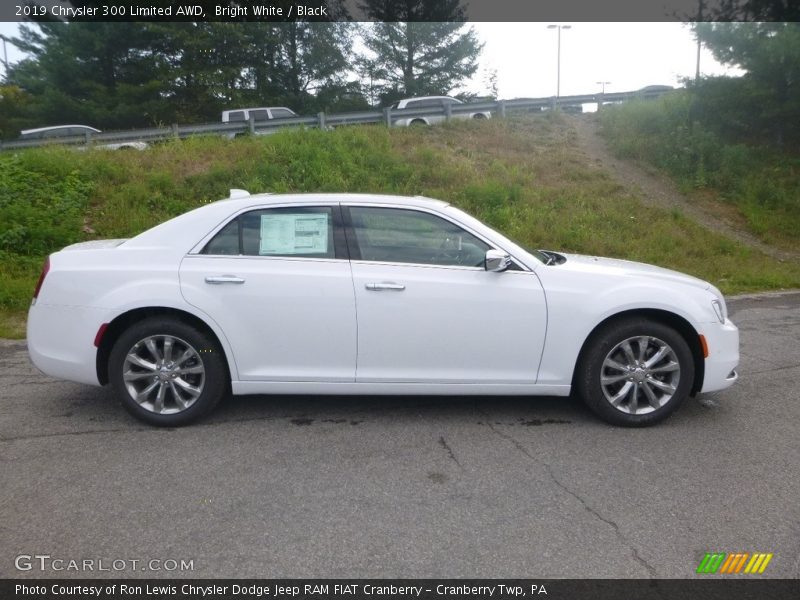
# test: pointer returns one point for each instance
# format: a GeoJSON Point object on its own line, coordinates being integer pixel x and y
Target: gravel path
{"type": "Point", "coordinates": [658, 190]}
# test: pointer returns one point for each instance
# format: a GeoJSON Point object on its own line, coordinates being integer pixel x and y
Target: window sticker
{"type": "Point", "coordinates": [294, 234]}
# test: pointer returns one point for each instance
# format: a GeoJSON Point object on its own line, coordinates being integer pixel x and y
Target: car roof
{"type": "Point", "coordinates": [428, 98]}
{"type": "Point", "coordinates": [53, 127]}
{"type": "Point", "coordinates": [181, 231]}
{"type": "Point", "coordinates": [328, 197]}
{"type": "Point", "coordinates": [256, 108]}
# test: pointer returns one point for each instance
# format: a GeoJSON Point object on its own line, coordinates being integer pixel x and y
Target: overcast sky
{"type": "Point", "coordinates": [629, 55]}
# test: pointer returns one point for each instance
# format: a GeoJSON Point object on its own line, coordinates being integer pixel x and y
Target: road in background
{"type": "Point", "coordinates": [410, 487]}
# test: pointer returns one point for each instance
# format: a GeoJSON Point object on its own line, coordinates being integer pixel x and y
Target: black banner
{"type": "Point", "coordinates": [710, 588]}
{"type": "Point", "coordinates": [409, 10]}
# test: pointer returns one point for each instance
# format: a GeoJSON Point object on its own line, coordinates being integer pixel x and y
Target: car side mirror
{"type": "Point", "coordinates": [496, 260]}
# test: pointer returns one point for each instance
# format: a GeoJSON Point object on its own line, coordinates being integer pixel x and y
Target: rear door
{"type": "Point", "coordinates": [278, 283]}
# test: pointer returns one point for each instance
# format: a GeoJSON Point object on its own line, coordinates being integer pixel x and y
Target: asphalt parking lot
{"type": "Point", "coordinates": [407, 487]}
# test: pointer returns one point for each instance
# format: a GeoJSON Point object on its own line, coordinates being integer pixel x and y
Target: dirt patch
{"type": "Point", "coordinates": [658, 190]}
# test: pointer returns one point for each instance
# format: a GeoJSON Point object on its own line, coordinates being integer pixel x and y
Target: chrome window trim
{"type": "Point", "coordinates": [197, 248]}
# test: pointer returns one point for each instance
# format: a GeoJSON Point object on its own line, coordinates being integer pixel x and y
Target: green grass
{"type": "Point", "coordinates": [522, 176]}
{"type": "Point", "coordinates": [758, 186]}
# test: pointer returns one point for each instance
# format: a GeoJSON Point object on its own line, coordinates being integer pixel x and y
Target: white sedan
{"type": "Point", "coordinates": [369, 294]}
{"type": "Point", "coordinates": [76, 132]}
{"type": "Point", "coordinates": [436, 105]}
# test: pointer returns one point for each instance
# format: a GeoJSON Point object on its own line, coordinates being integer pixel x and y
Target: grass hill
{"type": "Point", "coordinates": [524, 176]}
{"type": "Point", "coordinates": [752, 185]}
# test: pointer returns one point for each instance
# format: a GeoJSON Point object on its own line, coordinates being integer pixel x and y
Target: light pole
{"type": "Point", "coordinates": [5, 54]}
{"type": "Point", "coordinates": [604, 84]}
{"type": "Point", "coordinates": [700, 6]}
{"type": "Point", "coordinates": [558, 67]}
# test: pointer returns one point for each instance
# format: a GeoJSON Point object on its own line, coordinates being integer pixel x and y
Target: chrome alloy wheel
{"type": "Point", "coordinates": [163, 374]}
{"type": "Point", "coordinates": [640, 375]}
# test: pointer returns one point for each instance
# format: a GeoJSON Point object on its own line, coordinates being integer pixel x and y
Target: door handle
{"type": "Point", "coordinates": [217, 279]}
{"type": "Point", "coordinates": [385, 286]}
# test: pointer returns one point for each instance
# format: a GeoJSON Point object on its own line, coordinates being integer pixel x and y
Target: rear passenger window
{"type": "Point", "coordinates": [428, 103]}
{"type": "Point", "coordinates": [259, 115]}
{"type": "Point", "coordinates": [236, 116]}
{"type": "Point", "coordinates": [282, 113]}
{"type": "Point", "coordinates": [226, 241]}
{"type": "Point", "coordinates": [292, 231]}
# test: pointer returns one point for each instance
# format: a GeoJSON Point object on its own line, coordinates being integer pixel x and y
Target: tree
{"type": "Point", "coordinates": [205, 67]}
{"type": "Point", "coordinates": [751, 10]}
{"type": "Point", "coordinates": [769, 53]}
{"type": "Point", "coordinates": [80, 72]}
{"type": "Point", "coordinates": [418, 59]}
{"type": "Point", "coordinates": [311, 57]}
{"type": "Point", "coordinates": [416, 47]}
{"type": "Point", "coordinates": [120, 75]}
{"type": "Point", "coordinates": [13, 103]}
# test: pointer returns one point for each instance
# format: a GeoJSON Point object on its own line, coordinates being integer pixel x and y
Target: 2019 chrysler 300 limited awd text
{"type": "Point", "coordinates": [369, 294]}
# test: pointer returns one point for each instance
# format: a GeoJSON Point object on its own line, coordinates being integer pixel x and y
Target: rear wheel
{"type": "Point", "coordinates": [635, 372]}
{"type": "Point", "coordinates": [479, 116]}
{"type": "Point", "coordinates": [167, 372]}
{"type": "Point", "coordinates": [417, 123]}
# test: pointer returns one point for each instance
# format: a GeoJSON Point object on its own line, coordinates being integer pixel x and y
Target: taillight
{"type": "Point", "coordinates": [45, 269]}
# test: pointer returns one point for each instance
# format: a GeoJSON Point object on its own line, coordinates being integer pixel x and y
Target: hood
{"type": "Point", "coordinates": [627, 268]}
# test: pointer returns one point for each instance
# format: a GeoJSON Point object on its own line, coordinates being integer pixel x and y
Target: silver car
{"type": "Point", "coordinates": [436, 104]}
{"type": "Point", "coordinates": [71, 133]}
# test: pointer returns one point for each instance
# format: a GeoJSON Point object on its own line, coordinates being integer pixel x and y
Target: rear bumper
{"type": "Point", "coordinates": [61, 341]}
{"type": "Point", "coordinates": [723, 356]}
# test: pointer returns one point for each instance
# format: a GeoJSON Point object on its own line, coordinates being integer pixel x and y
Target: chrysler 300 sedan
{"type": "Point", "coordinates": [369, 294]}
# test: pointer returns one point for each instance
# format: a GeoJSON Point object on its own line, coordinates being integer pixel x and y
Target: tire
{"type": "Point", "coordinates": [479, 116]}
{"type": "Point", "coordinates": [417, 123]}
{"type": "Point", "coordinates": [163, 356]}
{"type": "Point", "coordinates": [639, 388]}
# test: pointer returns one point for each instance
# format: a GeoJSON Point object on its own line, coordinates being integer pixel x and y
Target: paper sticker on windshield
{"type": "Point", "coordinates": [294, 234]}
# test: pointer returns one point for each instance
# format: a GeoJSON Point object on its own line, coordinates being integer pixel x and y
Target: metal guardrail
{"type": "Point", "coordinates": [386, 116]}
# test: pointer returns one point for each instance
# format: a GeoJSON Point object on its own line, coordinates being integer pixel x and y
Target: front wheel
{"type": "Point", "coordinates": [166, 372]}
{"type": "Point", "coordinates": [635, 372]}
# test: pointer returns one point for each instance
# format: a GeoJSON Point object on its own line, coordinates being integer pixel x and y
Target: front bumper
{"type": "Point", "coordinates": [723, 355]}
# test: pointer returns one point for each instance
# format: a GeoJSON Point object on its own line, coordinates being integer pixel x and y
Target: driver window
{"type": "Point", "coordinates": [409, 236]}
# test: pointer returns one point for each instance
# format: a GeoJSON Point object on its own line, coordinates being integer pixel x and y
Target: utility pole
{"type": "Point", "coordinates": [5, 54]}
{"type": "Point", "coordinates": [558, 60]}
{"type": "Point", "coordinates": [699, 20]}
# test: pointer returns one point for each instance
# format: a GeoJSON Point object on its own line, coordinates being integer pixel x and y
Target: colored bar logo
{"type": "Point", "coordinates": [734, 563]}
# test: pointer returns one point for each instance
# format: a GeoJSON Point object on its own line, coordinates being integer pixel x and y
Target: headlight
{"type": "Point", "coordinates": [719, 308]}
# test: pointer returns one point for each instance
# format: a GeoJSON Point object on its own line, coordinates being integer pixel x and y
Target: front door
{"type": "Point", "coordinates": [428, 311]}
